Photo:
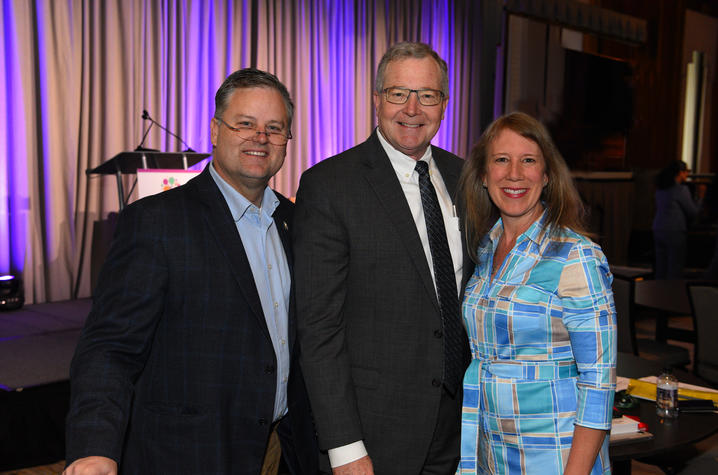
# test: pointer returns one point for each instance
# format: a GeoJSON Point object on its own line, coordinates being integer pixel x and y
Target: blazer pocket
{"type": "Point", "coordinates": [365, 378]}
{"type": "Point", "coordinates": [164, 408]}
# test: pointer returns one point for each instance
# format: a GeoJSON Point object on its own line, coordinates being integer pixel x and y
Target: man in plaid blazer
{"type": "Point", "coordinates": [188, 359]}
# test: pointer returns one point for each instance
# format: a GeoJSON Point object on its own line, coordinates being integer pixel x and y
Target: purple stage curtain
{"type": "Point", "coordinates": [76, 75]}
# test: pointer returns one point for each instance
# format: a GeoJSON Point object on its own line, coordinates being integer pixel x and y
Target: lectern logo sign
{"type": "Point", "coordinates": [169, 183]}
{"type": "Point", "coordinates": [150, 182]}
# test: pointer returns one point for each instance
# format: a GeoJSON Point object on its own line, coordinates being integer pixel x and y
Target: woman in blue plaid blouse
{"type": "Point", "coordinates": [539, 313]}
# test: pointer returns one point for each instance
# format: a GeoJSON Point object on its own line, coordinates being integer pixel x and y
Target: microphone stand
{"type": "Point", "coordinates": [146, 116]}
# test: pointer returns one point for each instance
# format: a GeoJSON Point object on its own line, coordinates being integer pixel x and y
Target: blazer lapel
{"type": "Point", "coordinates": [219, 221]}
{"type": "Point", "coordinates": [382, 178]}
{"type": "Point", "coordinates": [450, 177]}
{"type": "Point", "coordinates": [282, 220]}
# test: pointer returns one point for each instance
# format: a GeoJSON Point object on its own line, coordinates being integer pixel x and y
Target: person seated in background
{"type": "Point", "coordinates": [675, 210]}
{"type": "Point", "coordinates": [538, 310]}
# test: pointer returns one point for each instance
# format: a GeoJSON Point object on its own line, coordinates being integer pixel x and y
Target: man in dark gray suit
{"type": "Point", "coordinates": [383, 348]}
{"type": "Point", "coordinates": [188, 361]}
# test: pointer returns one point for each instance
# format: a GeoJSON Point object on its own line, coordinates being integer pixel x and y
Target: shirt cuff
{"type": "Point", "coordinates": [347, 453]}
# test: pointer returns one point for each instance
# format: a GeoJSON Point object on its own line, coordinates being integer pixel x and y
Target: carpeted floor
{"type": "Point", "coordinates": [37, 342]}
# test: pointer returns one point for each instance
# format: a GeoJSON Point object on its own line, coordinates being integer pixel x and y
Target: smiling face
{"type": "Point", "coordinates": [409, 127]}
{"type": "Point", "coordinates": [248, 165]}
{"type": "Point", "coordinates": [515, 177]}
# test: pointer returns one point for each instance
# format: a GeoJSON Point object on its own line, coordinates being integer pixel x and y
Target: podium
{"type": "Point", "coordinates": [129, 162]}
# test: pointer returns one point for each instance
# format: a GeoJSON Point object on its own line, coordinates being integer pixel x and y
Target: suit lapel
{"type": "Point", "coordinates": [450, 177]}
{"type": "Point", "coordinates": [282, 220]}
{"type": "Point", "coordinates": [382, 178]}
{"type": "Point", "coordinates": [220, 223]}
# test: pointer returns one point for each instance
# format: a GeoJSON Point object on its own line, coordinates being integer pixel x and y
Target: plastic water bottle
{"type": "Point", "coordinates": [667, 395]}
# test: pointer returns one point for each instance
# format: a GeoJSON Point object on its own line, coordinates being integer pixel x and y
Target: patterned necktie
{"type": "Point", "coordinates": [445, 280]}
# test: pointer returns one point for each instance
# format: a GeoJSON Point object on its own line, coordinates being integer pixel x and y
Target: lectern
{"type": "Point", "coordinates": [129, 162]}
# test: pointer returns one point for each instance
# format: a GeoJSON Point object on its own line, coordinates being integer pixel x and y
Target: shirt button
{"type": "Point", "coordinates": [269, 266]}
{"type": "Point", "coordinates": [283, 341]}
{"type": "Point", "coordinates": [284, 379]}
{"type": "Point", "coordinates": [435, 382]}
{"type": "Point", "coordinates": [438, 333]}
{"type": "Point", "coordinates": [276, 305]}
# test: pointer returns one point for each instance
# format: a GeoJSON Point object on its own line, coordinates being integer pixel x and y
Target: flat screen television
{"type": "Point", "coordinates": [597, 111]}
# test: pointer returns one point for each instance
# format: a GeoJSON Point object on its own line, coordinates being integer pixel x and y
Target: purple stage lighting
{"type": "Point", "coordinates": [11, 292]}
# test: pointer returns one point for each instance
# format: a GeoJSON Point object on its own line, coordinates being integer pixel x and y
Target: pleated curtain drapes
{"type": "Point", "coordinates": [77, 74]}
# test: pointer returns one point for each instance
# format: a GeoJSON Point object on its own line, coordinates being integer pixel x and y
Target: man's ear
{"type": "Point", "coordinates": [214, 130]}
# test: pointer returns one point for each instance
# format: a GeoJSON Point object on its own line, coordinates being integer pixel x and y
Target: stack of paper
{"type": "Point", "coordinates": [626, 425]}
{"type": "Point", "coordinates": [645, 388]}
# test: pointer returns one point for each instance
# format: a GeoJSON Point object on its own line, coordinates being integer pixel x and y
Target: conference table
{"type": "Point", "coordinates": [668, 435]}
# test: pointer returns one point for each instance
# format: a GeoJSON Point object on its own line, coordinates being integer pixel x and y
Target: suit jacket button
{"type": "Point", "coordinates": [269, 369]}
{"type": "Point", "coordinates": [438, 333]}
{"type": "Point", "coordinates": [435, 382]}
{"type": "Point", "coordinates": [262, 421]}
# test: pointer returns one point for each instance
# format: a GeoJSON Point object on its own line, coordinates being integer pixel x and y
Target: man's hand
{"type": "Point", "coordinates": [360, 466]}
{"type": "Point", "coordinates": [92, 466]}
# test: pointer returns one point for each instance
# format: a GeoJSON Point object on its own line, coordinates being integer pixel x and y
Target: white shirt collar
{"type": "Point", "coordinates": [403, 164]}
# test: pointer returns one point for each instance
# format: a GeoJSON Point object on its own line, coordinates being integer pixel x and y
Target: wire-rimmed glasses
{"type": "Point", "coordinates": [251, 132]}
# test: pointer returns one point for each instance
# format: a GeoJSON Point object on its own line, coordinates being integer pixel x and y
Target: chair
{"type": "Point", "coordinates": [704, 307]}
{"type": "Point", "coordinates": [663, 353]}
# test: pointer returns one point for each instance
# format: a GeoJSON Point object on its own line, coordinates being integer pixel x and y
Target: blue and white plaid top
{"type": "Point", "coordinates": [543, 342]}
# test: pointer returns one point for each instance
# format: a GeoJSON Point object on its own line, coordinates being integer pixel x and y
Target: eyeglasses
{"type": "Point", "coordinates": [399, 95]}
{"type": "Point", "coordinates": [250, 132]}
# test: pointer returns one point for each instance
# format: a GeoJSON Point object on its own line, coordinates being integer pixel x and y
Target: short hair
{"type": "Point", "coordinates": [251, 77]}
{"type": "Point", "coordinates": [564, 208]}
{"type": "Point", "coordinates": [406, 50]}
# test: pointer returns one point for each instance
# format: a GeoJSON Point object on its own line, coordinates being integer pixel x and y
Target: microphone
{"type": "Point", "coordinates": [140, 148]}
{"type": "Point", "coordinates": [146, 116]}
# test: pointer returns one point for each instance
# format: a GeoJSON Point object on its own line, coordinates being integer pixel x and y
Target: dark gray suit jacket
{"type": "Point", "coordinates": [367, 309]}
{"type": "Point", "coordinates": [175, 369]}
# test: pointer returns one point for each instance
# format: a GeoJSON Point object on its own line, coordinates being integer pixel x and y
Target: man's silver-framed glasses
{"type": "Point", "coordinates": [251, 132]}
{"type": "Point", "coordinates": [427, 97]}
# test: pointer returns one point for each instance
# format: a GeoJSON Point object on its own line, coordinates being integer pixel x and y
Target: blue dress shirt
{"type": "Point", "coordinates": [271, 274]}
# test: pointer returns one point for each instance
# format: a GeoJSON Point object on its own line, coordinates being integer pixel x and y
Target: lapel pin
{"type": "Point", "coordinates": [286, 228]}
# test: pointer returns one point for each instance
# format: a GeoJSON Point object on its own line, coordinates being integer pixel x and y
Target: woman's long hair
{"type": "Point", "coordinates": [563, 205]}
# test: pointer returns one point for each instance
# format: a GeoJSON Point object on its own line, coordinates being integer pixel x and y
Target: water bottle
{"type": "Point", "coordinates": [667, 395]}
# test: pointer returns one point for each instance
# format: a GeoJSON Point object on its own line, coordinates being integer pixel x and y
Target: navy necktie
{"type": "Point", "coordinates": [445, 281]}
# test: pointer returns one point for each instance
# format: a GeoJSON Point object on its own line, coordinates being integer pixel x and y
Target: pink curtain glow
{"type": "Point", "coordinates": [76, 75]}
